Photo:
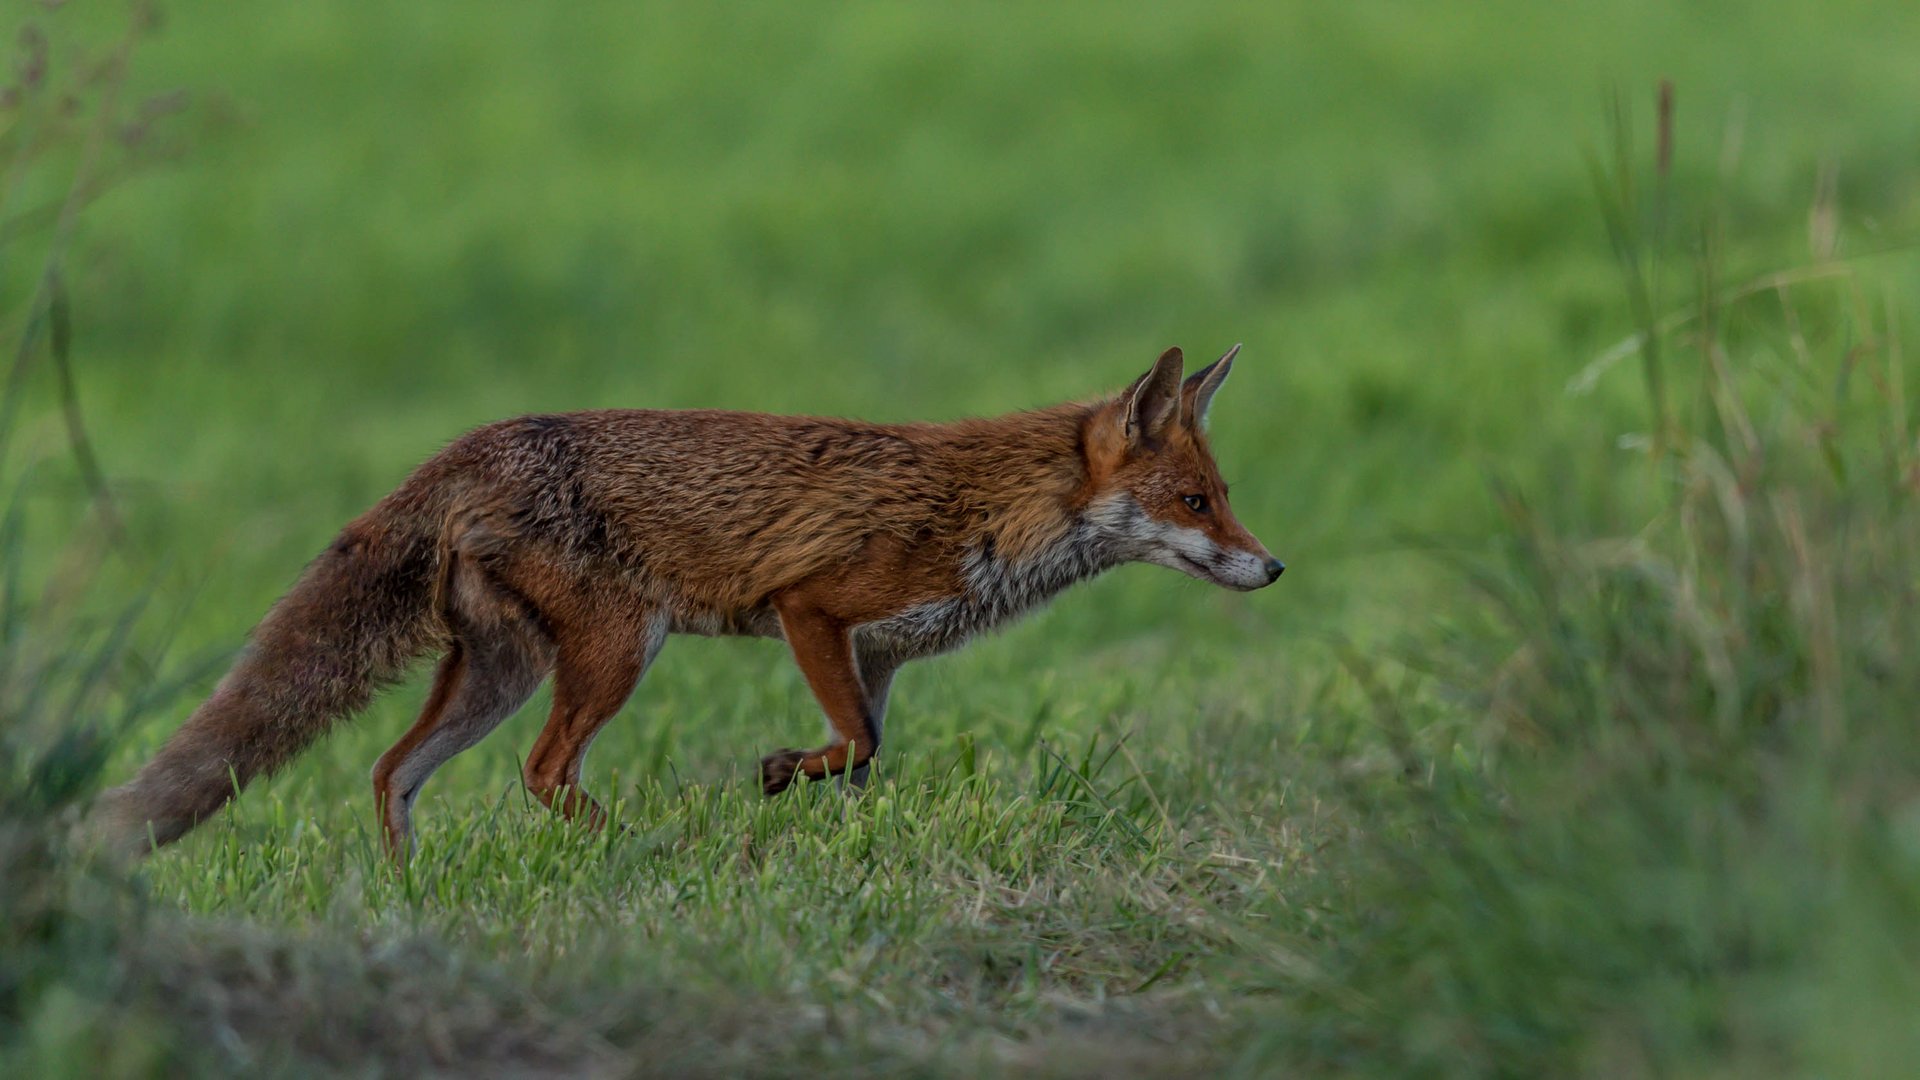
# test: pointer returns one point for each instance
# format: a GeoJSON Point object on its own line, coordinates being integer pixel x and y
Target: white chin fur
{"type": "Point", "coordinates": [1231, 570]}
{"type": "Point", "coordinates": [1190, 551]}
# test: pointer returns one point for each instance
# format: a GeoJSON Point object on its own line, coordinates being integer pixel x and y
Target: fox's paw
{"type": "Point", "coordinates": [778, 768]}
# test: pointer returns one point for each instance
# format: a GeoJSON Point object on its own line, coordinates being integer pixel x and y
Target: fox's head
{"type": "Point", "coordinates": [1156, 493]}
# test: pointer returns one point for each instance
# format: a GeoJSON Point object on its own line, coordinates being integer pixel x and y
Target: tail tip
{"type": "Point", "coordinates": [116, 827]}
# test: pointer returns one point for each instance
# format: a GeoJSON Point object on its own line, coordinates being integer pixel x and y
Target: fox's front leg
{"type": "Point", "coordinates": [823, 648]}
{"type": "Point", "coordinates": [876, 676]}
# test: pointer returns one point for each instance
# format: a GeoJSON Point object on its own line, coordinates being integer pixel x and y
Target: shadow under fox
{"type": "Point", "coordinates": [572, 545]}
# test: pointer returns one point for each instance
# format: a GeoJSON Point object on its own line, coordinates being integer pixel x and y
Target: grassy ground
{"type": "Point", "coordinates": [1622, 781]}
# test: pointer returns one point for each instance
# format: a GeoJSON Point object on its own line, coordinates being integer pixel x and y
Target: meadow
{"type": "Point", "coordinates": [1578, 739]}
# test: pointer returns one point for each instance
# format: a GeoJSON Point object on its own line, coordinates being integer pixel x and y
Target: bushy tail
{"type": "Point", "coordinates": [357, 618]}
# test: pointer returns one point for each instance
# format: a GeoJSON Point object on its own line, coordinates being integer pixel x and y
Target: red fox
{"type": "Point", "coordinates": [571, 545]}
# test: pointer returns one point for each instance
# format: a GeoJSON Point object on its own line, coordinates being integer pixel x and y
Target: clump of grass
{"type": "Point", "coordinates": [73, 674]}
{"type": "Point", "coordinates": [1675, 829]}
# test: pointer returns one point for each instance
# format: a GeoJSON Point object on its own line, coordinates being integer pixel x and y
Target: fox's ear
{"type": "Point", "coordinates": [1154, 398]}
{"type": "Point", "coordinates": [1196, 394]}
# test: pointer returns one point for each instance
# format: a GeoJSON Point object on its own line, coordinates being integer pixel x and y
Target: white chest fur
{"type": "Point", "coordinates": [996, 592]}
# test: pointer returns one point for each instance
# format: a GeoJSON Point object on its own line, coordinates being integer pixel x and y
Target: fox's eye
{"type": "Point", "coordinates": [1195, 503]}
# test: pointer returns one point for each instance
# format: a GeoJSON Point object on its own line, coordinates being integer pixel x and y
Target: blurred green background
{"type": "Point", "coordinates": [391, 222]}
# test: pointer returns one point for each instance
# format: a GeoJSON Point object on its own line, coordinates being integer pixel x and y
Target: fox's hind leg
{"type": "Point", "coordinates": [499, 657]}
{"type": "Point", "coordinates": [601, 659]}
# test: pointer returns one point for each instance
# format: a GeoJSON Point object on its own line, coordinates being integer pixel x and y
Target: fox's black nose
{"type": "Point", "coordinates": [1274, 569]}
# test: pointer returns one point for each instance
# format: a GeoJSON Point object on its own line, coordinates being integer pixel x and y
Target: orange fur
{"type": "Point", "coordinates": [573, 545]}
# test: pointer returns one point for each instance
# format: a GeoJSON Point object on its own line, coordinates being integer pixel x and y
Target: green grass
{"type": "Point", "coordinates": [1548, 755]}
